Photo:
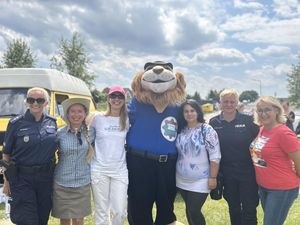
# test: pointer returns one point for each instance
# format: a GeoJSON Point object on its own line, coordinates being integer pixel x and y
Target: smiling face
{"type": "Point", "coordinates": [190, 115]}
{"type": "Point", "coordinates": [76, 115]}
{"type": "Point", "coordinates": [229, 103]}
{"type": "Point", "coordinates": [36, 102]}
{"type": "Point", "coordinates": [158, 77]}
{"type": "Point", "coordinates": [116, 101]}
{"type": "Point", "coordinates": [267, 114]}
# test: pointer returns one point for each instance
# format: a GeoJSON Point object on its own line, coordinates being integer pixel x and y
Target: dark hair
{"type": "Point", "coordinates": [181, 121]}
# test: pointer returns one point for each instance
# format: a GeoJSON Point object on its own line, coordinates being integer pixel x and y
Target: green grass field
{"type": "Point", "coordinates": [215, 213]}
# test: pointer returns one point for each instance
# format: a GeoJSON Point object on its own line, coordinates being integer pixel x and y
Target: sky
{"type": "Point", "coordinates": [246, 45]}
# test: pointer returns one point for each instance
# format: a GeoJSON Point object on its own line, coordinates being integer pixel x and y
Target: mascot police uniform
{"type": "Point", "coordinates": [151, 150]}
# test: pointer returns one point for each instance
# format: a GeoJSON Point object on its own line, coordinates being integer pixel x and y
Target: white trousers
{"type": "Point", "coordinates": [110, 198]}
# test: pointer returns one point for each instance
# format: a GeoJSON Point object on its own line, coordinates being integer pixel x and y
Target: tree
{"type": "Point", "coordinates": [73, 59]}
{"type": "Point", "coordinates": [18, 55]}
{"type": "Point", "coordinates": [197, 97]}
{"type": "Point", "coordinates": [98, 96]}
{"type": "Point", "coordinates": [249, 96]}
{"type": "Point", "coordinates": [294, 84]}
{"type": "Point", "coordinates": [213, 95]}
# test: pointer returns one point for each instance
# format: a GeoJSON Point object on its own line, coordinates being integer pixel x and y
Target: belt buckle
{"type": "Point", "coordinates": [163, 158]}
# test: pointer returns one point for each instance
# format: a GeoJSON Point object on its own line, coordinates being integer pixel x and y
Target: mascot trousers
{"type": "Point", "coordinates": [151, 181]}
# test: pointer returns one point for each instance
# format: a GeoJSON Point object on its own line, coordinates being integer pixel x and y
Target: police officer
{"type": "Point", "coordinates": [236, 132]}
{"type": "Point", "coordinates": [30, 142]}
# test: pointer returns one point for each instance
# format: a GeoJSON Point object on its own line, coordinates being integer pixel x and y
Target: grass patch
{"type": "Point", "coordinates": [215, 212]}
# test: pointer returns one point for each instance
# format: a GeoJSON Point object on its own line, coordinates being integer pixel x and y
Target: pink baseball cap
{"type": "Point", "coordinates": [116, 88]}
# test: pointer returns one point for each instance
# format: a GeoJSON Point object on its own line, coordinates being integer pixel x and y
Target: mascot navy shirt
{"type": "Point", "coordinates": [152, 131]}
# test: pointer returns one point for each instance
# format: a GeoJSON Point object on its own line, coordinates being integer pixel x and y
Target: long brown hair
{"type": "Point", "coordinates": [123, 114]}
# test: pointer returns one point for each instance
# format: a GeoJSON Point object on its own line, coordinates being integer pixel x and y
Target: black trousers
{"type": "Point", "coordinates": [31, 198]}
{"type": "Point", "coordinates": [241, 194]}
{"type": "Point", "coordinates": [150, 182]}
{"type": "Point", "coordinates": [193, 204]}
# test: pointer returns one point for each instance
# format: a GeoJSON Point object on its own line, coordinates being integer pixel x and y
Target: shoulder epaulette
{"type": "Point", "coordinates": [51, 117]}
{"type": "Point", "coordinates": [15, 119]}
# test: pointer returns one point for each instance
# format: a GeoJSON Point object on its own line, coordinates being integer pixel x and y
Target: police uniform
{"type": "Point", "coordinates": [240, 187]}
{"type": "Point", "coordinates": [31, 145]}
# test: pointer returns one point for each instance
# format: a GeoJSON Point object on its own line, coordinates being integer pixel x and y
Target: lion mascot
{"type": "Point", "coordinates": [151, 150]}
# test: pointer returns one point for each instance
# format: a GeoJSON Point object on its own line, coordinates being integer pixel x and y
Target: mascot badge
{"type": "Point", "coordinates": [151, 150]}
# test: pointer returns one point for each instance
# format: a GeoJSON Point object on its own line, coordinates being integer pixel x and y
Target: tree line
{"type": "Point", "coordinates": [71, 57]}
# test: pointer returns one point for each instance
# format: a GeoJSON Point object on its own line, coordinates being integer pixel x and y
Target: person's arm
{"type": "Point", "coordinates": [212, 180]}
{"type": "Point", "coordinates": [213, 148]}
{"type": "Point", "coordinates": [295, 156]}
{"type": "Point", "coordinates": [6, 189]}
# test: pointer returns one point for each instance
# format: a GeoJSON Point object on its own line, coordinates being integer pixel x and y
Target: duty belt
{"type": "Point", "coordinates": [149, 155]}
{"type": "Point", "coordinates": [36, 168]}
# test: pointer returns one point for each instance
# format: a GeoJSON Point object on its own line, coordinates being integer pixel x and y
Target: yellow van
{"type": "Point", "coordinates": [15, 82]}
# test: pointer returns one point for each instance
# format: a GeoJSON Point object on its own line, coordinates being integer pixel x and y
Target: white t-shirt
{"type": "Point", "coordinates": [110, 155]}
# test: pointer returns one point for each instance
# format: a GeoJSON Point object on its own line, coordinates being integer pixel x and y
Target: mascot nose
{"type": "Point", "coordinates": [158, 70]}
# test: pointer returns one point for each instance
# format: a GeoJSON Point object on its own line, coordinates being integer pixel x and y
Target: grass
{"type": "Point", "coordinates": [215, 212]}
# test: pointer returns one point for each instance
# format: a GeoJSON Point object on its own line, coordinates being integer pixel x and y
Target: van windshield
{"type": "Point", "coordinates": [12, 101]}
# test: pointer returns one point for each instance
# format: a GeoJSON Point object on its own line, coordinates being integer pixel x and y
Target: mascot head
{"type": "Point", "coordinates": [159, 85]}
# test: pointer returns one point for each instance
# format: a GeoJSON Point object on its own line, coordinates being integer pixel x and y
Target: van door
{"type": "Point", "coordinates": [59, 112]}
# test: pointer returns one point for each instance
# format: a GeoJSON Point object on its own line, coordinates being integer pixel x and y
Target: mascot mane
{"type": "Point", "coordinates": [159, 100]}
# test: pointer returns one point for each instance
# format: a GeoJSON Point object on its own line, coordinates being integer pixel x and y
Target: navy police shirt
{"type": "Point", "coordinates": [235, 138]}
{"type": "Point", "coordinates": [29, 142]}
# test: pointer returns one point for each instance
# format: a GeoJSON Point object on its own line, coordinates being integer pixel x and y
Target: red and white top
{"type": "Point", "coordinates": [273, 167]}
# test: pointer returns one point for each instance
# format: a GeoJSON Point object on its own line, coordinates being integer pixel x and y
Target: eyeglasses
{"type": "Point", "coordinates": [118, 96]}
{"type": "Point", "coordinates": [31, 100]}
{"type": "Point", "coordinates": [265, 110]}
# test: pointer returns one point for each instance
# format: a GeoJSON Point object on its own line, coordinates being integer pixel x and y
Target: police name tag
{"type": "Point", "coordinates": [26, 138]}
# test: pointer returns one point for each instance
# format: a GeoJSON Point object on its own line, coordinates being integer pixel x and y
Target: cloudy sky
{"type": "Point", "coordinates": [216, 44]}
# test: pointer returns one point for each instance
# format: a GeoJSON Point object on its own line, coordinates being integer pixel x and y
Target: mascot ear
{"type": "Point", "coordinates": [181, 84]}
{"type": "Point", "coordinates": [136, 83]}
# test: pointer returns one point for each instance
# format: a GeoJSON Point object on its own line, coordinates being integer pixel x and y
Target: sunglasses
{"type": "Point", "coordinates": [31, 100]}
{"type": "Point", "coordinates": [118, 96]}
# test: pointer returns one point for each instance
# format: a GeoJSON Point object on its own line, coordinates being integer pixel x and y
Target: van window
{"type": "Point", "coordinates": [58, 108]}
{"type": "Point", "coordinates": [12, 101]}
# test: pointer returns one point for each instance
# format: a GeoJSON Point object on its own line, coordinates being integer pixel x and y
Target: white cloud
{"type": "Point", "coordinates": [273, 78]}
{"type": "Point", "coordinates": [216, 57]}
{"type": "Point", "coordinates": [272, 51]}
{"type": "Point", "coordinates": [248, 5]}
{"type": "Point", "coordinates": [244, 22]}
{"type": "Point", "coordinates": [278, 32]}
{"type": "Point", "coordinates": [287, 8]}
{"type": "Point", "coordinates": [216, 43]}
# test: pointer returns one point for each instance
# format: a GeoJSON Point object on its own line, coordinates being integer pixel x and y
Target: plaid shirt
{"type": "Point", "coordinates": [73, 169]}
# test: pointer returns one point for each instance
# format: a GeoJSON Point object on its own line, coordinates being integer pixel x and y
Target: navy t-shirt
{"type": "Point", "coordinates": [235, 138]}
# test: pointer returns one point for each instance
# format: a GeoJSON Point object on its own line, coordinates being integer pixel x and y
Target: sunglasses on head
{"type": "Point", "coordinates": [118, 96]}
{"type": "Point", "coordinates": [31, 100]}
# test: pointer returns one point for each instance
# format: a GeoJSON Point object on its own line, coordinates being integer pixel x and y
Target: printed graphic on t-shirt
{"type": "Point", "coordinates": [168, 128]}
{"type": "Point", "coordinates": [256, 149]}
{"type": "Point", "coordinates": [112, 128]}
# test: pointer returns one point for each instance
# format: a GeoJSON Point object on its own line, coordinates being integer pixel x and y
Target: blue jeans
{"type": "Point", "coordinates": [276, 204]}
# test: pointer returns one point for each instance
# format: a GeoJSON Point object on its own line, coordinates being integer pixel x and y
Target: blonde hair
{"type": "Point", "coordinates": [231, 92]}
{"type": "Point", "coordinates": [280, 118]}
{"type": "Point", "coordinates": [38, 89]}
{"type": "Point", "coordinates": [123, 114]}
{"type": "Point", "coordinates": [90, 152]}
